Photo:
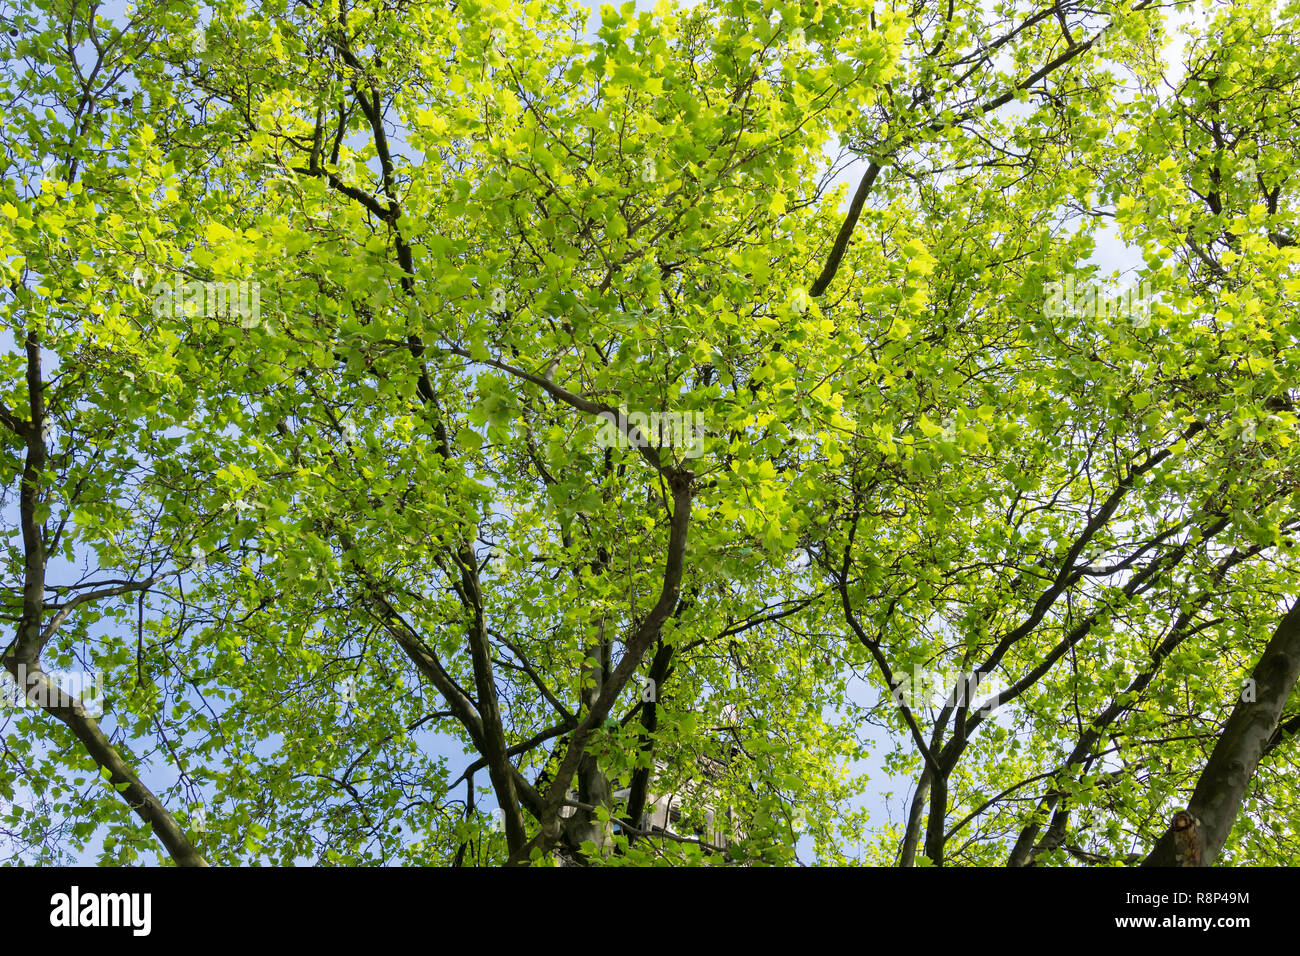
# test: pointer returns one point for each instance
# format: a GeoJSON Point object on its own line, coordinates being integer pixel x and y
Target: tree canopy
{"type": "Point", "coordinates": [440, 428]}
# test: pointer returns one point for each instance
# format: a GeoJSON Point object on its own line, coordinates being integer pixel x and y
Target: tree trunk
{"type": "Point", "coordinates": [1222, 784]}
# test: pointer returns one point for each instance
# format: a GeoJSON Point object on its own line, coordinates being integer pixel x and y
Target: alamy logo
{"type": "Point", "coordinates": [26, 689]}
{"type": "Point", "coordinates": [683, 430]}
{"type": "Point", "coordinates": [921, 687]}
{"type": "Point", "coordinates": [134, 910]}
{"type": "Point", "coordinates": [210, 300]}
{"type": "Point", "coordinates": [1091, 301]}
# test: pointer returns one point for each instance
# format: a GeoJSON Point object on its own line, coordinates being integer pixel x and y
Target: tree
{"type": "Point", "coordinates": [435, 378]}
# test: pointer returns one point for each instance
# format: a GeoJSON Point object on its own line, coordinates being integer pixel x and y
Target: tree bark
{"type": "Point", "coordinates": [22, 658]}
{"type": "Point", "coordinates": [1222, 785]}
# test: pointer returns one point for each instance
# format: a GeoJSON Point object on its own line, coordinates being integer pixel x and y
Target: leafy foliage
{"type": "Point", "coordinates": [317, 318]}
